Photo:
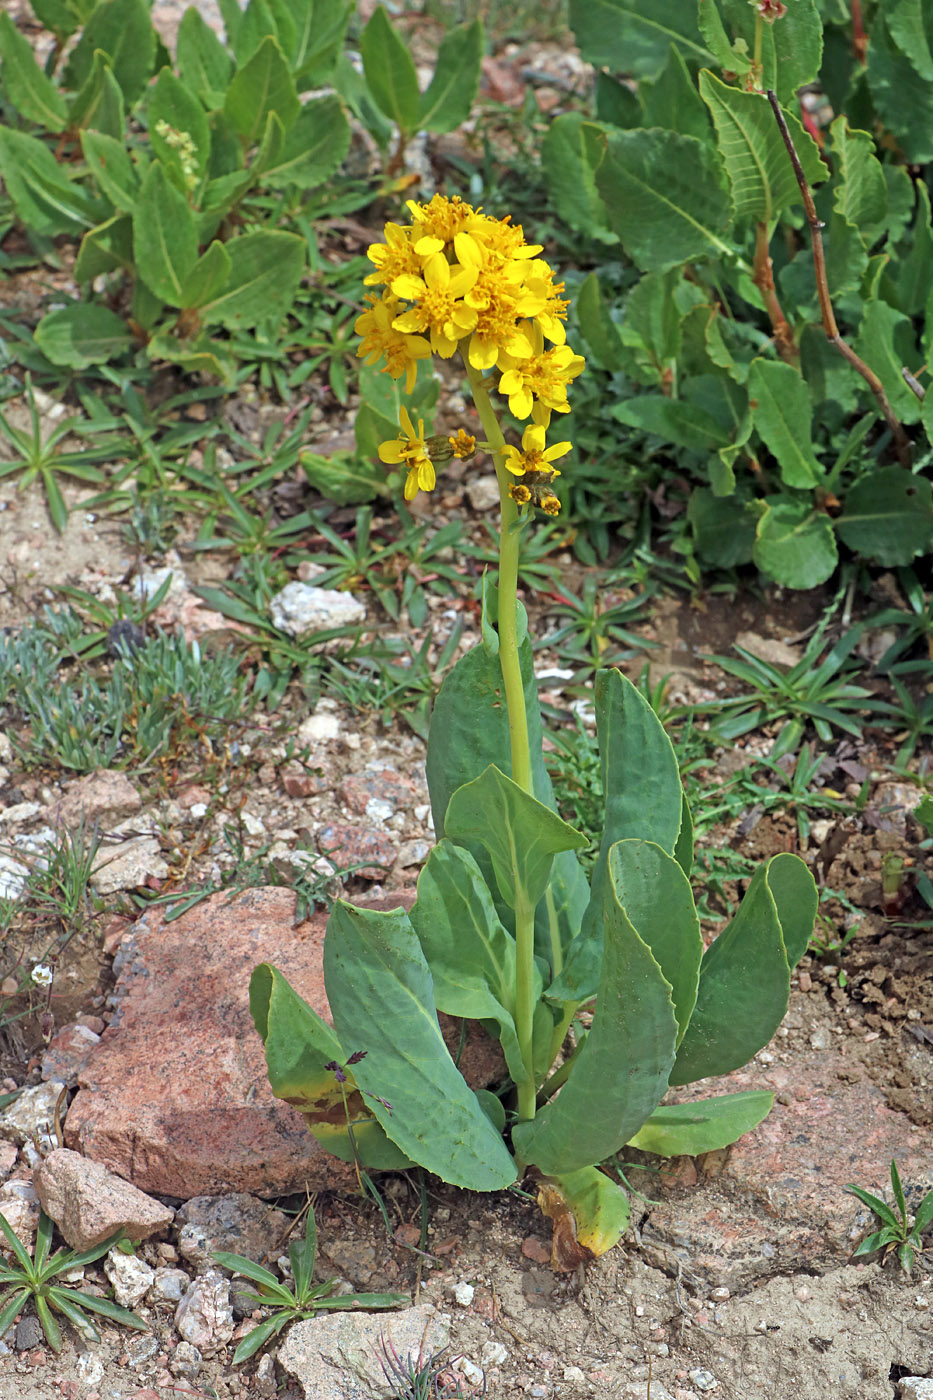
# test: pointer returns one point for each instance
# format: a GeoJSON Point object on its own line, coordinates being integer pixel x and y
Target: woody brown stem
{"type": "Point", "coordinates": [859, 37]}
{"type": "Point", "coordinates": [901, 440]}
{"type": "Point", "coordinates": [763, 277]}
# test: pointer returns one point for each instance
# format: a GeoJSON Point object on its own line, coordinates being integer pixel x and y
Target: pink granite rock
{"type": "Point", "coordinates": [175, 1097]}
{"type": "Point", "coordinates": [88, 1203]}
{"type": "Point", "coordinates": [99, 797]}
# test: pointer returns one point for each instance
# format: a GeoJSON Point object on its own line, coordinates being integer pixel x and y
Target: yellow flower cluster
{"type": "Point", "coordinates": [455, 278]}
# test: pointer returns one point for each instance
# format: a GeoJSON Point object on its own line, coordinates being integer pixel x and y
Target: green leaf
{"type": "Point", "coordinates": [924, 1217]}
{"type": "Point", "coordinates": [46, 201]}
{"type": "Point", "coordinates": [453, 88]}
{"type": "Point", "coordinates": [82, 334]}
{"type": "Point", "coordinates": [204, 65]}
{"type": "Point", "coordinates": [888, 516]}
{"type": "Point", "coordinates": [643, 798]}
{"type": "Point", "coordinates": [760, 173]}
{"type": "Point", "coordinates": [255, 1338]}
{"type": "Point", "coordinates": [98, 103]}
{"type": "Point", "coordinates": [320, 35]}
{"type": "Point", "coordinates": [886, 343]}
{"type": "Point", "coordinates": [298, 1046]}
{"type": "Point", "coordinates": [256, 25]}
{"type": "Point", "coordinates": [470, 955]}
{"type": "Point", "coordinates": [860, 194]}
{"type": "Point", "coordinates": [105, 248]}
{"type": "Point", "coordinates": [723, 529]}
{"type": "Point", "coordinates": [165, 244]}
{"type": "Point", "coordinates": [704, 1125]}
{"type": "Point", "coordinates": [636, 36]}
{"type": "Point", "coordinates": [672, 101]}
{"type": "Point", "coordinates": [301, 1255]}
{"type": "Point", "coordinates": [570, 155]}
{"type": "Point", "coordinates": [616, 103]}
{"type": "Point", "coordinates": [664, 198]}
{"type": "Point", "coordinates": [248, 1268]}
{"type": "Point", "coordinates": [171, 102]}
{"type": "Point", "coordinates": [905, 21]}
{"type": "Point", "coordinates": [390, 71]}
{"type": "Point", "coordinates": [266, 268]}
{"type": "Point", "coordinates": [63, 19]}
{"type": "Point", "coordinates": [345, 480]}
{"type": "Point", "coordinates": [196, 355]}
{"type": "Point", "coordinates": [104, 1307]}
{"type": "Point", "coordinates": [382, 999]}
{"type": "Point", "coordinates": [653, 319]}
{"type": "Point", "coordinates": [29, 90]}
{"type": "Point", "coordinates": [876, 1205]}
{"type": "Point", "coordinates": [745, 973]}
{"type": "Point", "coordinates": [621, 1073]}
{"type": "Point", "coordinates": [781, 413]}
{"type": "Point", "coordinates": [261, 86]}
{"type": "Point", "coordinates": [122, 29]}
{"type": "Point", "coordinates": [790, 48]}
{"type": "Point", "coordinates": [914, 273]}
{"type": "Point", "coordinates": [209, 274]}
{"type": "Point", "coordinates": [673, 420]}
{"type": "Point", "coordinates": [795, 544]}
{"type": "Point", "coordinates": [597, 327]}
{"type": "Point", "coordinates": [112, 168]}
{"type": "Point", "coordinates": [314, 148]}
{"type": "Point", "coordinates": [900, 96]}
{"type": "Point", "coordinates": [12, 1306]}
{"type": "Point", "coordinates": [520, 834]}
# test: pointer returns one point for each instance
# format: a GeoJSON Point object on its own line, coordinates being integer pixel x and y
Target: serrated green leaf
{"type": "Point", "coordinates": [28, 88]}
{"type": "Point", "coordinates": [795, 544]}
{"type": "Point", "coordinates": [790, 49]}
{"type": "Point", "coordinates": [210, 273]}
{"type": "Point", "coordinates": [900, 96]}
{"type": "Point", "coordinates": [46, 201]}
{"type": "Point", "coordinates": [664, 198]}
{"type": "Point", "coordinates": [112, 168]}
{"type": "Point", "coordinates": [860, 194]}
{"type": "Point", "coordinates": [781, 413]}
{"type": "Point", "coordinates": [886, 343]}
{"type": "Point", "coordinates": [636, 36]}
{"type": "Point", "coordinates": [888, 516]}
{"type": "Point", "coordinates": [204, 65]}
{"type": "Point", "coordinates": [314, 148]}
{"type": "Point", "coordinates": [761, 176]}
{"type": "Point", "coordinates": [390, 71]}
{"type": "Point", "coordinates": [172, 103]}
{"type": "Point", "coordinates": [453, 88]}
{"type": "Point", "coordinates": [570, 154]}
{"type": "Point", "coordinates": [905, 19]}
{"type": "Point", "coordinates": [266, 268]}
{"type": "Point", "coordinates": [261, 86]}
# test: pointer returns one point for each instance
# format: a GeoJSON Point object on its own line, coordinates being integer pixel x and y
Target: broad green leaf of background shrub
{"type": "Point", "coordinates": [570, 153]}
{"type": "Point", "coordinates": [122, 29]}
{"type": "Point", "coordinates": [794, 542]}
{"type": "Point", "coordinates": [781, 413]}
{"type": "Point", "coordinates": [81, 335]}
{"type": "Point", "coordinates": [791, 48]}
{"type": "Point", "coordinates": [888, 516]}
{"type": "Point", "coordinates": [390, 71]}
{"type": "Point", "coordinates": [261, 86]}
{"type": "Point", "coordinates": [635, 36]}
{"type": "Point", "coordinates": [31, 92]}
{"type": "Point", "coordinates": [452, 91]}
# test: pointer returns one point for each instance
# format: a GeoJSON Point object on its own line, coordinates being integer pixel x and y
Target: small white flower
{"type": "Point", "coordinates": [42, 975]}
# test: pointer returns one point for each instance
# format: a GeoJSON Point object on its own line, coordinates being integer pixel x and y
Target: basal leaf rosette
{"type": "Point", "coordinates": [457, 280]}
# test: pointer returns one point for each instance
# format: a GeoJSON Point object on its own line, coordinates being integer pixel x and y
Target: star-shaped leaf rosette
{"type": "Point", "coordinates": [599, 991]}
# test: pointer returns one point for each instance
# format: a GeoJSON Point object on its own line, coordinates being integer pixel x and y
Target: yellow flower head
{"type": "Point", "coordinates": [534, 457]}
{"type": "Point", "coordinates": [463, 444]}
{"type": "Point", "coordinates": [382, 342]}
{"type": "Point", "coordinates": [410, 449]}
{"type": "Point", "coordinates": [520, 494]}
{"type": "Point", "coordinates": [537, 383]}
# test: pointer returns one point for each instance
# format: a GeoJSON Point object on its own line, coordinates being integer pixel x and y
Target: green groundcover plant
{"type": "Point", "coordinates": [738, 346]}
{"type": "Point", "coordinates": [600, 994]}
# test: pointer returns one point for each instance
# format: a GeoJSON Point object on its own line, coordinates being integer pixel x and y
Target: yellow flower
{"type": "Point", "coordinates": [534, 456]}
{"type": "Point", "coordinates": [463, 445]}
{"type": "Point", "coordinates": [410, 449]}
{"type": "Point", "coordinates": [393, 258]}
{"type": "Point", "coordinates": [438, 307]}
{"type": "Point", "coordinates": [550, 504]}
{"type": "Point", "coordinates": [380, 341]}
{"type": "Point", "coordinates": [537, 384]}
{"type": "Point", "coordinates": [520, 494]}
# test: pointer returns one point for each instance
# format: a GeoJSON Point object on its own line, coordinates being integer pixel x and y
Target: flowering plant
{"type": "Point", "coordinates": [601, 994]}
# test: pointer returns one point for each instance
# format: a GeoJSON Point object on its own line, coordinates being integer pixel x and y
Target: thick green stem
{"type": "Point", "coordinates": [509, 537]}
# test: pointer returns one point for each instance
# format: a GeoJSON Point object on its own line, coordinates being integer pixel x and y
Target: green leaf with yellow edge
{"type": "Point", "coordinates": [745, 972]}
{"type": "Point", "coordinates": [453, 88]}
{"type": "Point", "coordinates": [105, 248]}
{"type": "Point", "coordinates": [98, 103]}
{"type": "Point", "coordinates": [521, 835]}
{"type": "Point", "coordinates": [121, 29]}
{"type": "Point", "coordinates": [112, 168]}
{"type": "Point", "coordinates": [381, 994]}
{"type": "Point", "coordinates": [636, 36]}
{"type": "Point", "coordinates": [664, 198]}
{"type": "Point", "coordinates": [704, 1125]}
{"type": "Point", "coordinates": [621, 1073]}
{"type": "Point", "coordinates": [165, 240]}
{"type": "Point", "coordinates": [261, 86]}
{"type": "Point", "coordinates": [298, 1045]}
{"type": "Point", "coordinates": [266, 268]}
{"type": "Point", "coordinates": [46, 201]}
{"type": "Point", "coordinates": [781, 414]}
{"type": "Point", "coordinates": [390, 71]}
{"type": "Point", "coordinates": [204, 65]}
{"type": "Point", "coordinates": [209, 274]}
{"type": "Point", "coordinates": [314, 148]}
{"type": "Point", "coordinates": [761, 176]}
{"type": "Point", "coordinates": [599, 1209]}
{"type": "Point", "coordinates": [27, 87]}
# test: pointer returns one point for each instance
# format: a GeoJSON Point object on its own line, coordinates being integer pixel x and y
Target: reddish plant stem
{"type": "Point", "coordinates": [763, 277]}
{"type": "Point", "coordinates": [901, 440]}
{"type": "Point", "coordinates": [859, 37]}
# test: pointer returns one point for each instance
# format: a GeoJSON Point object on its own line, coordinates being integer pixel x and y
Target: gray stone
{"type": "Point", "coordinates": [28, 1333]}
{"type": "Point", "coordinates": [204, 1316]}
{"type": "Point", "coordinates": [131, 1277]}
{"type": "Point", "coordinates": [168, 1287]}
{"type": "Point", "coordinates": [483, 493]}
{"type": "Point", "coordinates": [238, 1223]}
{"type": "Point", "coordinates": [30, 1116]}
{"type": "Point", "coordinates": [128, 865]}
{"type": "Point", "coordinates": [186, 1361]}
{"type": "Point", "coordinates": [301, 609]}
{"type": "Point", "coordinates": [19, 1206]}
{"type": "Point", "coordinates": [337, 1357]}
{"type": "Point", "coordinates": [915, 1388]}
{"type": "Point", "coordinates": [89, 1203]}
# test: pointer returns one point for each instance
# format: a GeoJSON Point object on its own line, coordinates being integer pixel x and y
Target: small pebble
{"type": "Point", "coordinates": [802, 1293]}
{"type": "Point", "coordinates": [720, 1295]}
{"type": "Point", "coordinates": [921, 1303]}
{"type": "Point", "coordinates": [805, 981]}
{"type": "Point", "coordinates": [463, 1294]}
{"type": "Point", "coordinates": [703, 1380]}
